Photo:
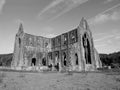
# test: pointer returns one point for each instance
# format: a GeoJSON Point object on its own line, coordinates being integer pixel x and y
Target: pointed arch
{"type": "Point", "coordinates": [64, 58]}
{"type": "Point", "coordinates": [19, 40]}
{"type": "Point", "coordinates": [33, 62]}
{"type": "Point", "coordinates": [76, 59]}
{"type": "Point", "coordinates": [44, 62]}
{"type": "Point", "coordinates": [87, 48]}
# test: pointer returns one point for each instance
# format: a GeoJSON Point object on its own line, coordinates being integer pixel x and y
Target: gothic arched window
{"type": "Point", "coordinates": [76, 59]}
{"type": "Point", "coordinates": [87, 49]}
{"type": "Point", "coordinates": [19, 42]}
{"type": "Point", "coordinates": [64, 59]}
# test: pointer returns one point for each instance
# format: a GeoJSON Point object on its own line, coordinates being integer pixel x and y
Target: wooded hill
{"type": "Point", "coordinates": [110, 59]}
{"type": "Point", "coordinates": [5, 59]}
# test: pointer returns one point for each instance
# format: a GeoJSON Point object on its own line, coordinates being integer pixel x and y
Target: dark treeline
{"type": "Point", "coordinates": [5, 59]}
{"type": "Point", "coordinates": [107, 59]}
{"type": "Point", "coordinates": [110, 59]}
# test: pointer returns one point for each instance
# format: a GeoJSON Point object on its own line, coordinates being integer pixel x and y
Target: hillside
{"type": "Point", "coordinates": [5, 59]}
{"type": "Point", "coordinates": [109, 59]}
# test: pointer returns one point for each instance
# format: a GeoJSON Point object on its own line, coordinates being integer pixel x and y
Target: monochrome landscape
{"type": "Point", "coordinates": [60, 45]}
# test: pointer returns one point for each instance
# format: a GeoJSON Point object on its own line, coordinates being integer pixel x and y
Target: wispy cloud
{"type": "Point", "coordinates": [107, 37]}
{"type": "Point", "coordinates": [100, 45]}
{"type": "Point", "coordinates": [117, 36]}
{"type": "Point", "coordinates": [2, 3]}
{"type": "Point", "coordinates": [58, 8]}
{"type": "Point", "coordinates": [99, 34]}
{"type": "Point", "coordinates": [107, 1]}
{"type": "Point", "coordinates": [104, 38]}
{"type": "Point", "coordinates": [48, 32]}
{"type": "Point", "coordinates": [106, 16]}
{"type": "Point", "coordinates": [108, 44]}
{"type": "Point", "coordinates": [50, 35]}
{"type": "Point", "coordinates": [18, 21]}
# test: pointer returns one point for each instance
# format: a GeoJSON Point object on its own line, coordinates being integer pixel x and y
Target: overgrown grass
{"type": "Point", "coordinates": [2, 76]}
{"type": "Point", "coordinates": [118, 79]}
{"type": "Point", "coordinates": [22, 75]}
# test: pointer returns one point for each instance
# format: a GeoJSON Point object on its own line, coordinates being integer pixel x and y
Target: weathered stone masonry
{"type": "Point", "coordinates": [73, 50]}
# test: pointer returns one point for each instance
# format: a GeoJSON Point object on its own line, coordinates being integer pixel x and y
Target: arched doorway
{"type": "Point", "coordinates": [57, 60]}
{"type": "Point", "coordinates": [44, 63]}
{"type": "Point", "coordinates": [87, 50]}
{"type": "Point", "coordinates": [33, 62]}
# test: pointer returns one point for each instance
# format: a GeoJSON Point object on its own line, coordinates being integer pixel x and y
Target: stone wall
{"type": "Point", "coordinates": [73, 50]}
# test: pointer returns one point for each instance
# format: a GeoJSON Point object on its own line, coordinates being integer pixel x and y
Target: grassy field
{"type": "Point", "coordinates": [12, 80]}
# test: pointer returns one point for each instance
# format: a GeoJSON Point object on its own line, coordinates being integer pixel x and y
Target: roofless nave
{"type": "Point", "coordinates": [73, 50]}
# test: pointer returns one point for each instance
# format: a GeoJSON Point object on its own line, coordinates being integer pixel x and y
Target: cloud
{"type": "Point", "coordinates": [18, 21]}
{"type": "Point", "coordinates": [58, 8]}
{"type": "Point", "coordinates": [100, 45]}
{"type": "Point", "coordinates": [2, 3]}
{"type": "Point", "coordinates": [107, 38]}
{"type": "Point", "coordinates": [99, 34]}
{"type": "Point", "coordinates": [108, 43]}
{"type": "Point", "coordinates": [100, 19]}
{"type": "Point", "coordinates": [48, 31]}
{"type": "Point", "coordinates": [50, 35]}
{"type": "Point", "coordinates": [107, 1]}
{"type": "Point", "coordinates": [117, 37]}
{"type": "Point", "coordinates": [104, 38]}
{"type": "Point", "coordinates": [106, 15]}
{"type": "Point", "coordinates": [115, 16]}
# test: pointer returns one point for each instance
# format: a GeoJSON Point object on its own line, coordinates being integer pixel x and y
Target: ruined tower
{"type": "Point", "coordinates": [73, 50]}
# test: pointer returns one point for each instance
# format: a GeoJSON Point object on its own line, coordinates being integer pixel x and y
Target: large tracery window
{"type": "Point", "coordinates": [87, 50]}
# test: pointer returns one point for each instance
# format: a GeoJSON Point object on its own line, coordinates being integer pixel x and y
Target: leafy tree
{"type": "Point", "coordinates": [110, 59]}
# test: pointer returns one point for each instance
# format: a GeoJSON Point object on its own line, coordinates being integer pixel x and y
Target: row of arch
{"type": "Point", "coordinates": [87, 54]}
{"type": "Point", "coordinates": [56, 62]}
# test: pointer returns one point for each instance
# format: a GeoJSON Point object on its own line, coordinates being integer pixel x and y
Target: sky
{"type": "Point", "coordinates": [53, 17]}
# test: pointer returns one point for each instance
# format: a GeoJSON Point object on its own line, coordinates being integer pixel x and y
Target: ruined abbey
{"type": "Point", "coordinates": [73, 50]}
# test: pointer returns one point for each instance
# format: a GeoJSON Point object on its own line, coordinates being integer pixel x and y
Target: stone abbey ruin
{"type": "Point", "coordinates": [73, 50]}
